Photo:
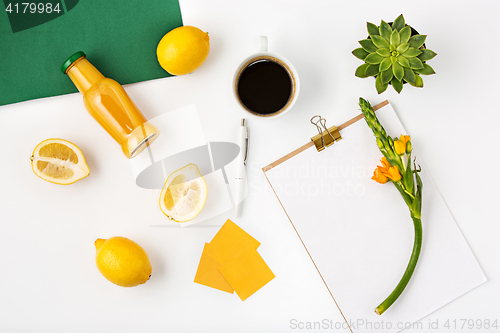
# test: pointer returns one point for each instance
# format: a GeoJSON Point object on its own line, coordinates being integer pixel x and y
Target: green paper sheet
{"type": "Point", "coordinates": [119, 38]}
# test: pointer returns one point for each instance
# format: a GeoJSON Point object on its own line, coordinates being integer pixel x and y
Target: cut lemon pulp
{"type": "Point", "coordinates": [184, 194]}
{"type": "Point", "coordinates": [59, 161]}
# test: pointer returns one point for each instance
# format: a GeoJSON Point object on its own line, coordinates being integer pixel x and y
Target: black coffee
{"type": "Point", "coordinates": [264, 87]}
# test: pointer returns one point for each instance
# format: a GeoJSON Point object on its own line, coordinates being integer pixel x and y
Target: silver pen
{"type": "Point", "coordinates": [240, 168]}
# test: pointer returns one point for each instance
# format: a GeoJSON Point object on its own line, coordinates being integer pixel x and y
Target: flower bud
{"type": "Point", "coordinates": [389, 144]}
{"type": "Point", "coordinates": [380, 144]}
{"type": "Point", "coordinates": [399, 147]}
{"type": "Point", "coordinates": [408, 147]}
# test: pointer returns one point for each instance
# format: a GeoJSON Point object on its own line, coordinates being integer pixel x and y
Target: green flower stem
{"type": "Point", "coordinates": [411, 193]}
{"type": "Point", "coordinates": [417, 223]}
{"type": "Point", "coordinates": [406, 191]}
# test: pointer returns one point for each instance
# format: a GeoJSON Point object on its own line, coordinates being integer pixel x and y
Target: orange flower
{"type": "Point", "coordinates": [400, 145]}
{"type": "Point", "coordinates": [383, 173]}
{"type": "Point", "coordinates": [393, 174]}
{"type": "Point", "coordinates": [379, 177]}
{"type": "Point", "coordinates": [385, 163]}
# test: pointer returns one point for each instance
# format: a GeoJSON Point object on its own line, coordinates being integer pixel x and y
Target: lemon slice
{"type": "Point", "coordinates": [59, 161]}
{"type": "Point", "coordinates": [184, 194]}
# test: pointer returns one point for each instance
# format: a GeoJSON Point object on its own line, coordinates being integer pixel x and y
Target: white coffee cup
{"type": "Point", "coordinates": [259, 83]}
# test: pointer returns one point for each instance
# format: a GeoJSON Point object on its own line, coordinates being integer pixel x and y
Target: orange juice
{"type": "Point", "coordinates": [106, 100]}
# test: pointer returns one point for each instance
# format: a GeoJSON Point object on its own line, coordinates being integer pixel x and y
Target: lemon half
{"type": "Point", "coordinates": [59, 161]}
{"type": "Point", "coordinates": [184, 194]}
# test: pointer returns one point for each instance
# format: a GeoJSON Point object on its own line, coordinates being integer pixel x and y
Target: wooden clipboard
{"type": "Point", "coordinates": [358, 233]}
{"type": "Point", "coordinates": [324, 134]}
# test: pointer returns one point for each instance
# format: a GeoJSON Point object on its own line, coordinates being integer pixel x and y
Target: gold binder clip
{"type": "Point", "coordinates": [327, 137]}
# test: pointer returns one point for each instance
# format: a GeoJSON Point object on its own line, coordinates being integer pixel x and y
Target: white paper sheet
{"type": "Point", "coordinates": [360, 235]}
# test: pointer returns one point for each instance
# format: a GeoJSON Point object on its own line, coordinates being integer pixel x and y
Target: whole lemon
{"type": "Point", "coordinates": [183, 50]}
{"type": "Point", "coordinates": [122, 261]}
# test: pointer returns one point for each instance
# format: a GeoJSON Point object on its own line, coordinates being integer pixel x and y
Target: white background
{"type": "Point", "coordinates": [48, 279]}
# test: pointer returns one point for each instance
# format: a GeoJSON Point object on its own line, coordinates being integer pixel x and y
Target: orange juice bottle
{"type": "Point", "coordinates": [106, 100]}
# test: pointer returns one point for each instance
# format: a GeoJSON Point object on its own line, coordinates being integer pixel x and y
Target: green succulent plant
{"type": "Point", "coordinates": [393, 55]}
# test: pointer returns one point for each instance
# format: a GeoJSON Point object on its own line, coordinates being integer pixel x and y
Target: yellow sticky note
{"type": "Point", "coordinates": [229, 241]}
{"type": "Point", "coordinates": [208, 273]}
{"type": "Point", "coordinates": [246, 272]}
